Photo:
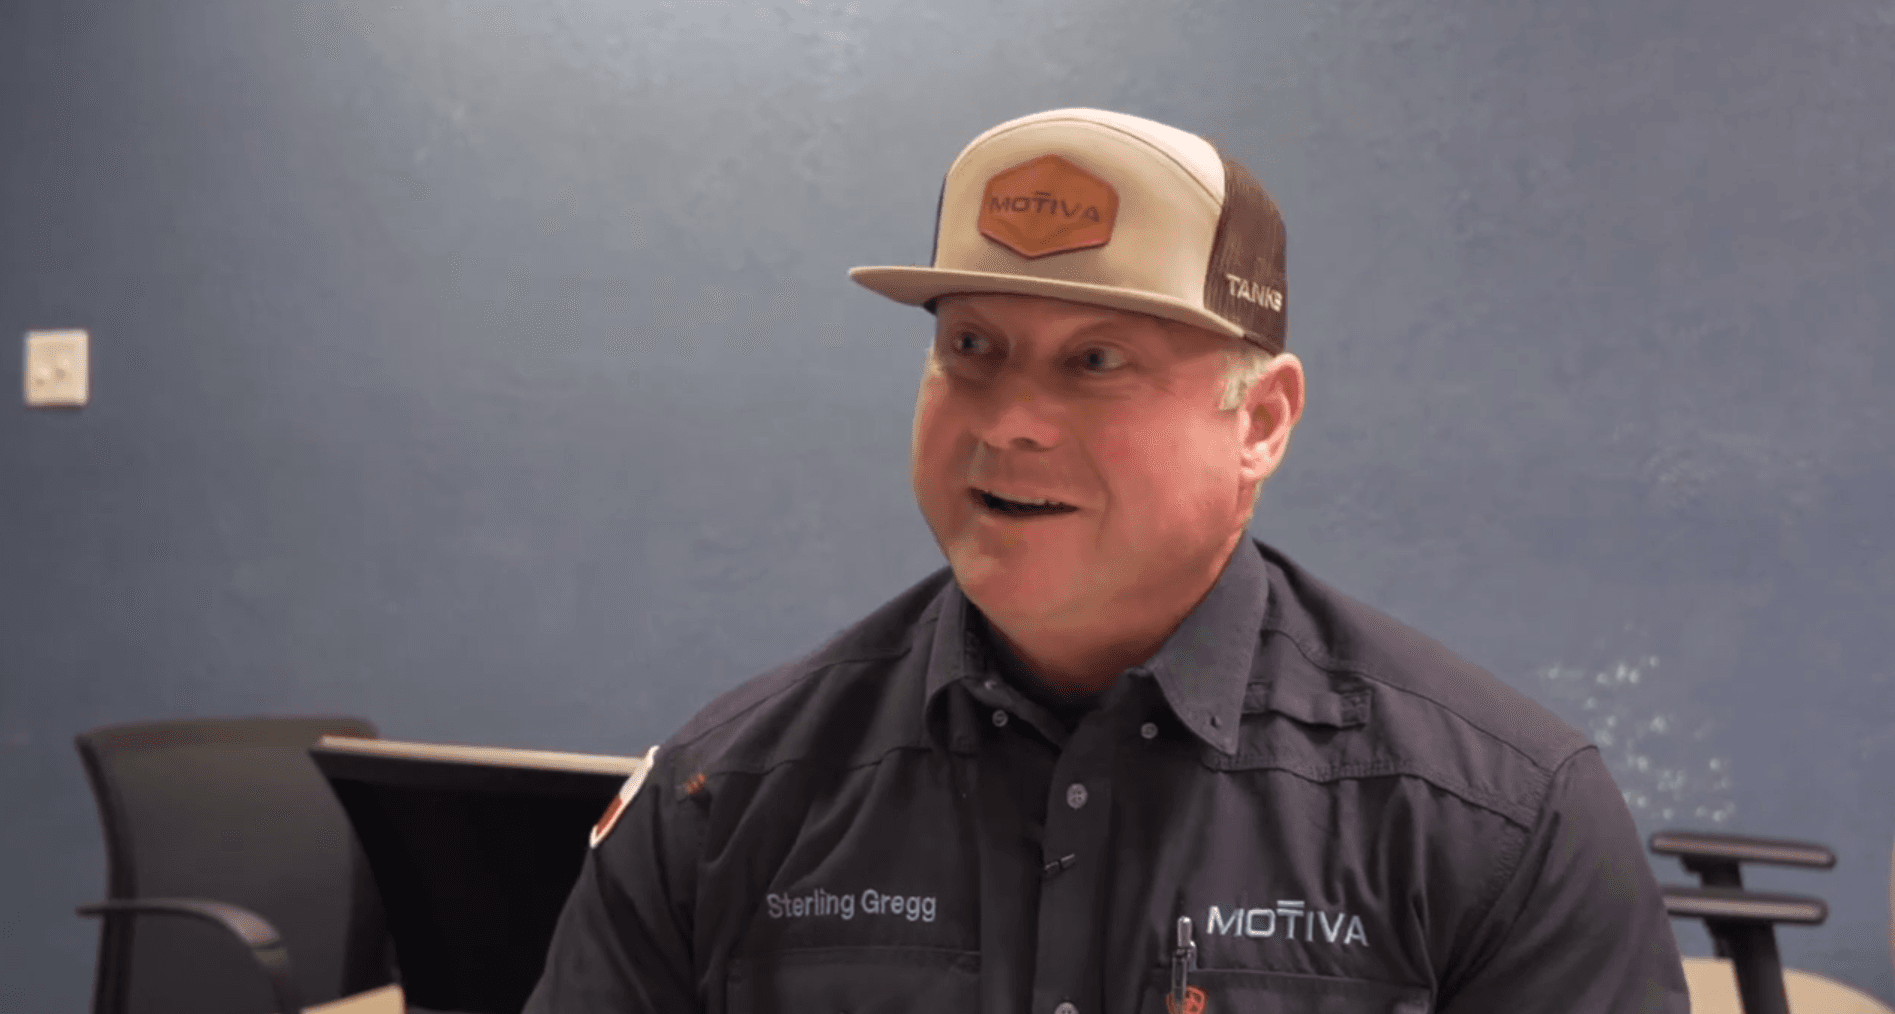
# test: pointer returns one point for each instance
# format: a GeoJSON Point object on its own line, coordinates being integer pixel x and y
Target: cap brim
{"type": "Point", "coordinates": [917, 286]}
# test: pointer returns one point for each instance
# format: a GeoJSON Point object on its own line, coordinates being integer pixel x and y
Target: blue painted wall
{"type": "Point", "coordinates": [490, 369]}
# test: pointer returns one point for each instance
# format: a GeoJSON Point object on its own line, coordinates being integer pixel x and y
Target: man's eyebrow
{"type": "Point", "coordinates": [968, 318]}
{"type": "Point", "coordinates": [961, 317]}
{"type": "Point", "coordinates": [1109, 324]}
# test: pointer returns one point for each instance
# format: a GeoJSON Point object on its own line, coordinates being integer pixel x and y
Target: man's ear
{"type": "Point", "coordinates": [1271, 409]}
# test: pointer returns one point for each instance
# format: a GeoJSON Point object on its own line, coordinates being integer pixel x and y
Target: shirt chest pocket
{"type": "Point", "coordinates": [1243, 991]}
{"type": "Point", "coordinates": [856, 980]}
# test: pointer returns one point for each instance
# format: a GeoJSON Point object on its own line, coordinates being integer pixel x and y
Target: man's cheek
{"type": "Point", "coordinates": [929, 408]}
{"type": "Point", "coordinates": [1123, 456]}
{"type": "Point", "coordinates": [940, 487]}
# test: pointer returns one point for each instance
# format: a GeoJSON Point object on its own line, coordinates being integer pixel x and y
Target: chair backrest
{"type": "Point", "coordinates": [231, 810]}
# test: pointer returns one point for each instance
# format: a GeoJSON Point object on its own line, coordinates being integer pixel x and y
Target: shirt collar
{"type": "Point", "coordinates": [1202, 668]}
{"type": "Point", "coordinates": [955, 654]}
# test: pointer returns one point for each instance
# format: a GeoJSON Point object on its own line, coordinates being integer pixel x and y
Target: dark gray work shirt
{"type": "Point", "coordinates": [1353, 818]}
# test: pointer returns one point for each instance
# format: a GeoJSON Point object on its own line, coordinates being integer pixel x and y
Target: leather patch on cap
{"type": "Point", "coordinates": [1047, 206]}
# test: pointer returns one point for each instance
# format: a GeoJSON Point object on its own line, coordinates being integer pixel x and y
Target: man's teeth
{"type": "Point", "coordinates": [1027, 501]}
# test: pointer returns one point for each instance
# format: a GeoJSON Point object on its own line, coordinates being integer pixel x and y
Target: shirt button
{"type": "Point", "coordinates": [1075, 795]}
{"type": "Point", "coordinates": [1066, 1008]}
{"type": "Point", "coordinates": [1000, 719]}
{"type": "Point", "coordinates": [1149, 730]}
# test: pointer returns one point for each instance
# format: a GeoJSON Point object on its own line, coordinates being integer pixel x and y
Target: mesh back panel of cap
{"type": "Point", "coordinates": [1250, 245]}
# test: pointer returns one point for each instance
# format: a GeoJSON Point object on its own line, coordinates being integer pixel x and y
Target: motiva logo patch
{"type": "Point", "coordinates": [1048, 206]}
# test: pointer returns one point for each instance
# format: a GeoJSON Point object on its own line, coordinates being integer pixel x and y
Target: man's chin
{"type": "Point", "coordinates": [1013, 582]}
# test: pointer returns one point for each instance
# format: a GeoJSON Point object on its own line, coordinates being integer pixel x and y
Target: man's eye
{"type": "Point", "coordinates": [968, 343]}
{"type": "Point", "coordinates": [1101, 359]}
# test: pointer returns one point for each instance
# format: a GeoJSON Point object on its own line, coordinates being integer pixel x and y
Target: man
{"type": "Point", "coordinates": [1117, 756]}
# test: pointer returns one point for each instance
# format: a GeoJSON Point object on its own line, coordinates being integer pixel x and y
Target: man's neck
{"type": "Point", "coordinates": [1083, 658]}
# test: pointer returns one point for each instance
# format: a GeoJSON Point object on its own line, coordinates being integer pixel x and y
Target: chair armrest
{"type": "Point", "coordinates": [1731, 847]}
{"type": "Point", "coordinates": [1716, 858]}
{"type": "Point", "coordinates": [265, 944]}
{"type": "Point", "coordinates": [1738, 905]}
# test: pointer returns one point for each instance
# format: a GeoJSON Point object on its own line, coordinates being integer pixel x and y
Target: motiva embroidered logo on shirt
{"type": "Point", "coordinates": [1283, 922]}
{"type": "Point", "coordinates": [1047, 206]}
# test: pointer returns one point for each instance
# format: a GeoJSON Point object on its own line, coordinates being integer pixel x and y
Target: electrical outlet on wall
{"type": "Point", "coordinates": [56, 368]}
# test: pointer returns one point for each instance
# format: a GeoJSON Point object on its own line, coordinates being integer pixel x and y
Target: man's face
{"type": "Point", "coordinates": [1114, 414]}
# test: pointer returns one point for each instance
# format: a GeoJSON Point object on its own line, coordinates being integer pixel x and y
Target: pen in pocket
{"type": "Point", "coordinates": [1183, 960]}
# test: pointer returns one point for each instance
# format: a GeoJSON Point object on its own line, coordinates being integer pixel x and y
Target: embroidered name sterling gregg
{"type": "Point", "coordinates": [821, 903]}
{"type": "Point", "coordinates": [1262, 923]}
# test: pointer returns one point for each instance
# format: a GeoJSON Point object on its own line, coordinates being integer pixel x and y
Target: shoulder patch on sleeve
{"type": "Point", "coordinates": [626, 792]}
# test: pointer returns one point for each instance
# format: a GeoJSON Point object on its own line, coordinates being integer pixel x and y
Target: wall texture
{"type": "Point", "coordinates": [489, 369]}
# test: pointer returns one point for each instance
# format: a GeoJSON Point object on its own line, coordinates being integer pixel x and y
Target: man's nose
{"type": "Point", "coordinates": [1023, 415]}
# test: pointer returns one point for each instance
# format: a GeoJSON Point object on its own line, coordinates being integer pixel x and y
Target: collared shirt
{"type": "Point", "coordinates": [1352, 817]}
{"type": "Point", "coordinates": [1068, 708]}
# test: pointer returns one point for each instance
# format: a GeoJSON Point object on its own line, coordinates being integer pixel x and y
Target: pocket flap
{"type": "Point", "coordinates": [1244, 991]}
{"type": "Point", "coordinates": [861, 980]}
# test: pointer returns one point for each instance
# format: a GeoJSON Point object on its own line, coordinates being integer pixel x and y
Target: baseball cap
{"type": "Point", "coordinates": [1107, 209]}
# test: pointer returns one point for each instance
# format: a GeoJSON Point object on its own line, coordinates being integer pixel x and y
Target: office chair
{"type": "Point", "coordinates": [1747, 975]}
{"type": "Point", "coordinates": [226, 823]}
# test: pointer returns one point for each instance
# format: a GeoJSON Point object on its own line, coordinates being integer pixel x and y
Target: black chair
{"type": "Point", "coordinates": [1742, 923]}
{"type": "Point", "coordinates": [227, 823]}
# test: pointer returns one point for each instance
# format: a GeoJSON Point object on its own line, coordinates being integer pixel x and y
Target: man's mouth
{"type": "Point", "coordinates": [1028, 508]}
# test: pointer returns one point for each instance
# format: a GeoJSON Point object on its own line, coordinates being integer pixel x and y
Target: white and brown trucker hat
{"type": "Point", "coordinates": [1107, 209]}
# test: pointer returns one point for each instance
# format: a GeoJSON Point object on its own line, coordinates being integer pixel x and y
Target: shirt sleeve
{"type": "Point", "coordinates": [623, 942]}
{"type": "Point", "coordinates": [1581, 923]}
